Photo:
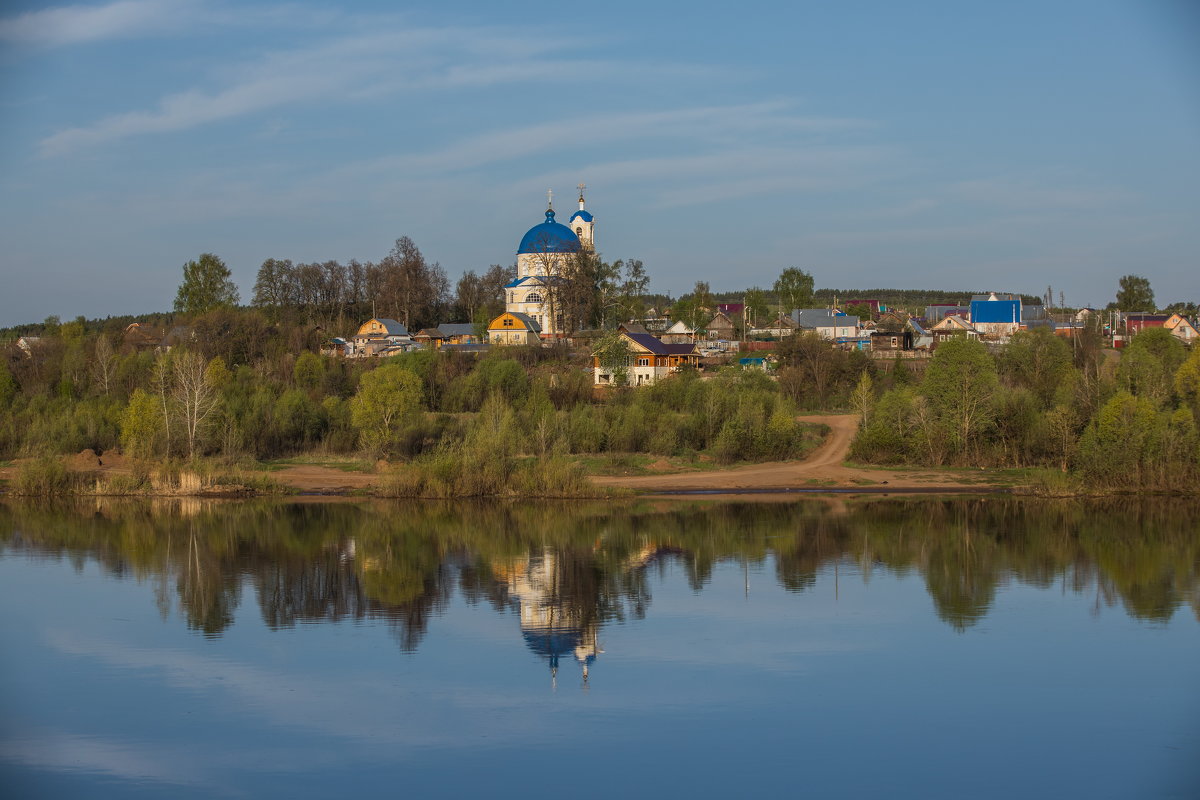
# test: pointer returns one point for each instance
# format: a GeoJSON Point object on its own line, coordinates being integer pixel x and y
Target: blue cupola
{"type": "Point", "coordinates": [549, 237]}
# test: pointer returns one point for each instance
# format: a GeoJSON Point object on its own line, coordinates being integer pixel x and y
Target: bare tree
{"type": "Point", "coordinates": [411, 286]}
{"type": "Point", "coordinates": [468, 293]}
{"type": "Point", "coordinates": [163, 383]}
{"type": "Point", "coordinates": [196, 393]}
{"type": "Point", "coordinates": [103, 362]}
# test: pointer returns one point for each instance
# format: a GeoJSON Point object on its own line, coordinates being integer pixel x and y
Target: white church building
{"type": "Point", "coordinates": [544, 263]}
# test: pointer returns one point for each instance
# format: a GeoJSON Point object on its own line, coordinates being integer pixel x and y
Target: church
{"type": "Point", "coordinates": [544, 263]}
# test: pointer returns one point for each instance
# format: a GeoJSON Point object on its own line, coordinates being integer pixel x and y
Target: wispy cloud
{"type": "Point", "coordinates": [356, 67]}
{"type": "Point", "coordinates": [125, 19]}
{"type": "Point", "coordinates": [77, 24]}
{"type": "Point", "coordinates": [723, 127]}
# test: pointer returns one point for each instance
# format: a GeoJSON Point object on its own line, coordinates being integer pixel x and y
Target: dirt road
{"type": "Point", "coordinates": [823, 469]}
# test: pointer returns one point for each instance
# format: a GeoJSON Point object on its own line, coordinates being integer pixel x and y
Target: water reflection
{"type": "Point", "coordinates": [566, 570]}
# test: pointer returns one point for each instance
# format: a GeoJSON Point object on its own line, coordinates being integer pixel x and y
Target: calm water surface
{"type": "Point", "coordinates": [965, 648]}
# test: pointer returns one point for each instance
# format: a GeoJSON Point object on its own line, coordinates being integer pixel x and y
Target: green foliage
{"type": "Point", "coordinates": [386, 397]}
{"type": "Point", "coordinates": [1121, 444]}
{"type": "Point", "coordinates": [794, 288]}
{"type": "Point", "coordinates": [960, 386]}
{"type": "Point", "coordinates": [1036, 360]}
{"type": "Point", "coordinates": [887, 436]}
{"type": "Point", "coordinates": [141, 425]}
{"type": "Point", "coordinates": [309, 371]}
{"type": "Point", "coordinates": [8, 386]}
{"type": "Point", "coordinates": [45, 477]}
{"type": "Point", "coordinates": [1135, 294]}
{"type": "Point", "coordinates": [1187, 380]}
{"type": "Point", "coordinates": [207, 284]}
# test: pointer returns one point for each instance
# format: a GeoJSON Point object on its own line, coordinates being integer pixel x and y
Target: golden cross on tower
{"type": "Point", "coordinates": [582, 186]}
{"type": "Point", "coordinates": [549, 198]}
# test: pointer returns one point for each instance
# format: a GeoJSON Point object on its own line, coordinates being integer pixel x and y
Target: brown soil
{"type": "Point", "coordinates": [823, 469]}
{"type": "Point", "coordinates": [313, 478]}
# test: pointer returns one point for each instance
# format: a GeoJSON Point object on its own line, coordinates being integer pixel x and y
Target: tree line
{"type": "Point", "coordinates": [1126, 422]}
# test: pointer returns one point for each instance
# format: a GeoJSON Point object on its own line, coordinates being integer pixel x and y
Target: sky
{"type": "Point", "coordinates": [942, 145]}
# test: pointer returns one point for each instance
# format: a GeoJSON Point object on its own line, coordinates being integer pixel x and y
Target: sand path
{"type": "Point", "coordinates": [824, 468]}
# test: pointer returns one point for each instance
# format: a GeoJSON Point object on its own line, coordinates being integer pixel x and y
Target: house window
{"type": "Point", "coordinates": [643, 362]}
{"type": "Point", "coordinates": [508, 322]}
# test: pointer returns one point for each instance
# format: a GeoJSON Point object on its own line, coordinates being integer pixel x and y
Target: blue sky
{"type": "Point", "coordinates": [944, 145]}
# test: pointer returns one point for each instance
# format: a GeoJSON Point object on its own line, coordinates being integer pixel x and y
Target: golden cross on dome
{"type": "Point", "coordinates": [582, 186]}
{"type": "Point", "coordinates": [549, 198]}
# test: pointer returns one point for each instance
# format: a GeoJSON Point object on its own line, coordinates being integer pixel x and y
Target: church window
{"type": "Point", "coordinates": [579, 231]}
{"type": "Point", "coordinates": [533, 297]}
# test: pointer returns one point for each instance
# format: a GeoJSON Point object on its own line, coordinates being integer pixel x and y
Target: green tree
{"type": "Point", "coordinates": [309, 371]}
{"type": "Point", "coordinates": [1037, 360]}
{"type": "Point", "coordinates": [960, 386]}
{"type": "Point", "coordinates": [8, 385]}
{"type": "Point", "coordinates": [141, 425]}
{"type": "Point", "coordinates": [207, 284]}
{"type": "Point", "coordinates": [386, 396]}
{"type": "Point", "coordinates": [614, 356]}
{"type": "Point", "coordinates": [1120, 443]}
{"type": "Point", "coordinates": [756, 305]}
{"type": "Point", "coordinates": [794, 289]}
{"type": "Point", "coordinates": [1135, 294]}
{"type": "Point", "coordinates": [1187, 380]}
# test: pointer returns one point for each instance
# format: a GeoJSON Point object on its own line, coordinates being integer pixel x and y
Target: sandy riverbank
{"type": "Point", "coordinates": [824, 469]}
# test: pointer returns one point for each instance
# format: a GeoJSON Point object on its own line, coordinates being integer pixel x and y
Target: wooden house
{"type": "Point", "coordinates": [679, 333]}
{"type": "Point", "coordinates": [953, 326]}
{"type": "Point", "coordinates": [514, 328]}
{"type": "Point", "coordinates": [719, 328]}
{"type": "Point", "coordinates": [1181, 327]}
{"type": "Point", "coordinates": [649, 360]}
{"type": "Point", "coordinates": [379, 337]}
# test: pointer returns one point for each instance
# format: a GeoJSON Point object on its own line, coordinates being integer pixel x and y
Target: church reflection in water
{"type": "Point", "coordinates": [553, 626]}
{"type": "Point", "coordinates": [567, 571]}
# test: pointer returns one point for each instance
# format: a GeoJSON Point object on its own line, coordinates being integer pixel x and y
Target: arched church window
{"type": "Point", "coordinates": [533, 297]}
{"type": "Point", "coordinates": [579, 231]}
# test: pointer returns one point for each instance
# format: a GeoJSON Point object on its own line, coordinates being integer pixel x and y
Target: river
{"type": "Point", "coordinates": [967, 647]}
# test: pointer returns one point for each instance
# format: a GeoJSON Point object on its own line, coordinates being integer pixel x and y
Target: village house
{"type": "Point", "coordinates": [512, 328]}
{"type": "Point", "coordinates": [447, 333]}
{"type": "Point", "coordinates": [891, 340]}
{"type": "Point", "coordinates": [827, 323]}
{"type": "Point", "coordinates": [1181, 327]}
{"type": "Point", "coordinates": [939, 311]}
{"type": "Point", "coordinates": [783, 325]}
{"type": "Point", "coordinates": [679, 333]}
{"type": "Point", "coordinates": [719, 328]}
{"type": "Point", "coordinates": [139, 338]}
{"type": "Point", "coordinates": [995, 316]}
{"type": "Point", "coordinates": [379, 337]}
{"type": "Point", "coordinates": [1177, 324]}
{"type": "Point", "coordinates": [891, 321]}
{"type": "Point", "coordinates": [953, 326]}
{"type": "Point", "coordinates": [648, 362]}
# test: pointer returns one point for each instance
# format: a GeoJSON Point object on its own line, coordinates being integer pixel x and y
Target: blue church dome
{"type": "Point", "coordinates": [549, 237]}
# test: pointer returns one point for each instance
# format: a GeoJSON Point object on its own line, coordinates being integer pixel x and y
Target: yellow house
{"type": "Point", "coordinates": [514, 328]}
{"type": "Point", "coordinates": [1180, 327]}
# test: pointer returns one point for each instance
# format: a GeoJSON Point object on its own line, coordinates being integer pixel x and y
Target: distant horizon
{"type": "Point", "coordinates": [852, 294]}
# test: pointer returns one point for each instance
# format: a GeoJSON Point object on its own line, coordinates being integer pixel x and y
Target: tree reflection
{"type": "Point", "coordinates": [566, 570]}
